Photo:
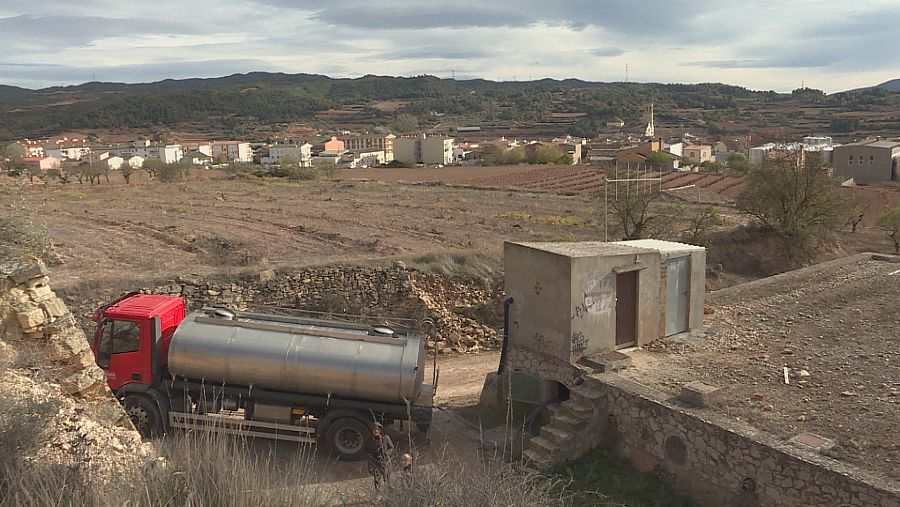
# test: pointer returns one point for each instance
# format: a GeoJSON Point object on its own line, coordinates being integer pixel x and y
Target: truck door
{"type": "Point", "coordinates": [119, 353]}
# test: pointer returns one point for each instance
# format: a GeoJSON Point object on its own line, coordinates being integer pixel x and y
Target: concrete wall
{"type": "Point", "coordinates": [871, 170]}
{"type": "Point", "coordinates": [565, 302]}
{"type": "Point", "coordinates": [717, 460]}
{"type": "Point", "coordinates": [593, 301]}
{"type": "Point", "coordinates": [538, 282]}
{"type": "Point", "coordinates": [405, 150]}
{"type": "Point", "coordinates": [437, 150]}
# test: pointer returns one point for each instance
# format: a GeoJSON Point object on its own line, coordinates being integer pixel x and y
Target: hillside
{"type": "Point", "coordinates": [252, 105]}
{"type": "Point", "coordinates": [892, 86]}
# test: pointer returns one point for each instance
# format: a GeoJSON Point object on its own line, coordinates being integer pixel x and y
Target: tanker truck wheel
{"type": "Point", "coordinates": [143, 414]}
{"type": "Point", "coordinates": [348, 437]}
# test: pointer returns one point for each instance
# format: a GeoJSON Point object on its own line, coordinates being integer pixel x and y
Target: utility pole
{"type": "Point", "coordinates": [626, 72]}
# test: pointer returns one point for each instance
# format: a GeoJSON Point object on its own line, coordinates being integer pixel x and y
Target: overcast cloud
{"type": "Point", "coordinates": [762, 44]}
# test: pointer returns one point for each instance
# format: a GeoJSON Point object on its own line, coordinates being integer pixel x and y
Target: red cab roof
{"type": "Point", "coordinates": [142, 306]}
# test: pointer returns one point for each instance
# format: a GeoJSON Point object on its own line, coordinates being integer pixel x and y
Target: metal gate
{"type": "Point", "coordinates": [677, 295]}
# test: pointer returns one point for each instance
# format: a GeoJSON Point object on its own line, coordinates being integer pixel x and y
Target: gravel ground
{"type": "Point", "coordinates": [835, 326]}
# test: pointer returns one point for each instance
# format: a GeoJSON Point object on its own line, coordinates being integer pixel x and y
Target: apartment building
{"type": "Point", "coordinates": [868, 161]}
{"type": "Point", "coordinates": [424, 150]}
{"type": "Point", "coordinates": [231, 151]}
{"type": "Point", "coordinates": [372, 143]}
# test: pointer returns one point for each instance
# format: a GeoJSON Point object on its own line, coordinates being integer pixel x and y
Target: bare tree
{"type": "Point", "coordinates": [630, 204]}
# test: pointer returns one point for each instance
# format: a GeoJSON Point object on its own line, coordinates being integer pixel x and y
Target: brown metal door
{"type": "Point", "coordinates": [626, 309]}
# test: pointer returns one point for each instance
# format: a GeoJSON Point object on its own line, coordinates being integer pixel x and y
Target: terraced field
{"type": "Point", "coordinates": [566, 180]}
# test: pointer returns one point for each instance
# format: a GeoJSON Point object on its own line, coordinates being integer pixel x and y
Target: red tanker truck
{"type": "Point", "coordinates": [260, 375]}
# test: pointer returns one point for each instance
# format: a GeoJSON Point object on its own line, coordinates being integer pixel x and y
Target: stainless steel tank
{"type": "Point", "coordinates": [288, 354]}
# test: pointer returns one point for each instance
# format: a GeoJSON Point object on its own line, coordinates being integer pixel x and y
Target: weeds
{"type": "Point", "coordinates": [223, 251]}
{"type": "Point", "coordinates": [558, 220]}
{"type": "Point", "coordinates": [599, 471]}
{"type": "Point", "coordinates": [211, 469]}
{"type": "Point", "coordinates": [23, 424]}
{"type": "Point", "coordinates": [465, 264]}
{"type": "Point", "coordinates": [19, 234]}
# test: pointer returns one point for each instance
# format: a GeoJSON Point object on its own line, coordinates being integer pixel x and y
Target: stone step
{"type": "Point", "coordinates": [584, 392]}
{"type": "Point", "coordinates": [543, 445]}
{"type": "Point", "coordinates": [552, 409]}
{"type": "Point", "coordinates": [566, 423]}
{"type": "Point", "coordinates": [537, 459]}
{"type": "Point", "coordinates": [577, 409]}
{"type": "Point", "coordinates": [557, 436]}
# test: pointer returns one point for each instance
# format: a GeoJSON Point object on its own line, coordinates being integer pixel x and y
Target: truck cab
{"type": "Point", "coordinates": [132, 338]}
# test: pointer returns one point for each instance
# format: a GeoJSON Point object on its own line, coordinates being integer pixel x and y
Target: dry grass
{"type": "Point", "coordinates": [210, 469]}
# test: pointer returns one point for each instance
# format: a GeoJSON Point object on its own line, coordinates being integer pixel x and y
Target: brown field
{"type": "Point", "coordinates": [213, 223]}
{"type": "Point", "coordinates": [557, 179]}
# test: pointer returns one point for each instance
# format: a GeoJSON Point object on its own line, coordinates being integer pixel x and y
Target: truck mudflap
{"type": "Point", "coordinates": [238, 426]}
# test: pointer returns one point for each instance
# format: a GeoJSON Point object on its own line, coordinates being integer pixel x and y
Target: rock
{"type": "Point", "coordinates": [29, 317]}
{"type": "Point", "coordinates": [848, 394]}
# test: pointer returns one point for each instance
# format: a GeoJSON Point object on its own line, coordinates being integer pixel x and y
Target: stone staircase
{"type": "Point", "coordinates": [563, 438]}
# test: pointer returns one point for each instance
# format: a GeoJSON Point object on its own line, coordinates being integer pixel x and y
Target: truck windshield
{"type": "Point", "coordinates": [123, 335]}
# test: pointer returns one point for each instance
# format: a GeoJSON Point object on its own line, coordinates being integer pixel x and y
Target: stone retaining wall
{"type": "Point", "coordinates": [395, 291]}
{"type": "Point", "coordinates": [717, 460]}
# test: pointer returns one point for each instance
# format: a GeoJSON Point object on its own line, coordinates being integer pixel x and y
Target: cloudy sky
{"type": "Point", "coordinates": [832, 45]}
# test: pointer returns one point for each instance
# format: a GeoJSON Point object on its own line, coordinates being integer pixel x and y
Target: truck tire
{"type": "Point", "coordinates": [143, 414]}
{"type": "Point", "coordinates": [348, 438]}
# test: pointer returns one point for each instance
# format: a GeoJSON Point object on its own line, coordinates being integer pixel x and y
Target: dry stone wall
{"type": "Point", "coordinates": [46, 360]}
{"type": "Point", "coordinates": [393, 291]}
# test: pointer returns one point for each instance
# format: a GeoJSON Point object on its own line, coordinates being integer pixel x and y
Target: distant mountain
{"type": "Point", "coordinates": [12, 92]}
{"type": "Point", "coordinates": [893, 85]}
{"type": "Point", "coordinates": [242, 104]}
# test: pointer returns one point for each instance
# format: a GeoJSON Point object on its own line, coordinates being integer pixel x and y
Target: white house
{"type": "Point", "coordinates": [170, 153]}
{"type": "Point", "coordinates": [136, 161]}
{"type": "Point", "coordinates": [301, 153]}
{"type": "Point", "coordinates": [115, 163]}
{"type": "Point", "coordinates": [363, 158]}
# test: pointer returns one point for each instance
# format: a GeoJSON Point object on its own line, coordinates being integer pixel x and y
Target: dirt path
{"type": "Point", "coordinates": [462, 377]}
{"type": "Point", "coordinates": [454, 438]}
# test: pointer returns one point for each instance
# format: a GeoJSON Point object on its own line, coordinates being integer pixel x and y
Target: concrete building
{"type": "Point", "coordinates": [136, 161]}
{"type": "Point", "coordinates": [115, 163]}
{"type": "Point", "coordinates": [27, 148]}
{"type": "Point", "coordinates": [811, 144]}
{"type": "Point", "coordinates": [41, 164]}
{"type": "Point", "coordinates": [869, 161]}
{"type": "Point", "coordinates": [231, 151]}
{"type": "Point", "coordinates": [334, 145]}
{"type": "Point", "coordinates": [67, 149]}
{"type": "Point", "coordinates": [576, 301]}
{"type": "Point", "coordinates": [437, 150]}
{"type": "Point", "coordinates": [424, 150]}
{"type": "Point", "coordinates": [372, 143]}
{"type": "Point", "coordinates": [169, 153]}
{"type": "Point", "coordinates": [698, 153]}
{"type": "Point", "coordinates": [302, 153]}
{"type": "Point", "coordinates": [682, 284]}
{"type": "Point", "coordinates": [636, 156]}
{"type": "Point", "coordinates": [362, 158]}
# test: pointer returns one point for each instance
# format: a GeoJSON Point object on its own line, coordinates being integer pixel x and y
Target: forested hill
{"type": "Point", "coordinates": [275, 97]}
